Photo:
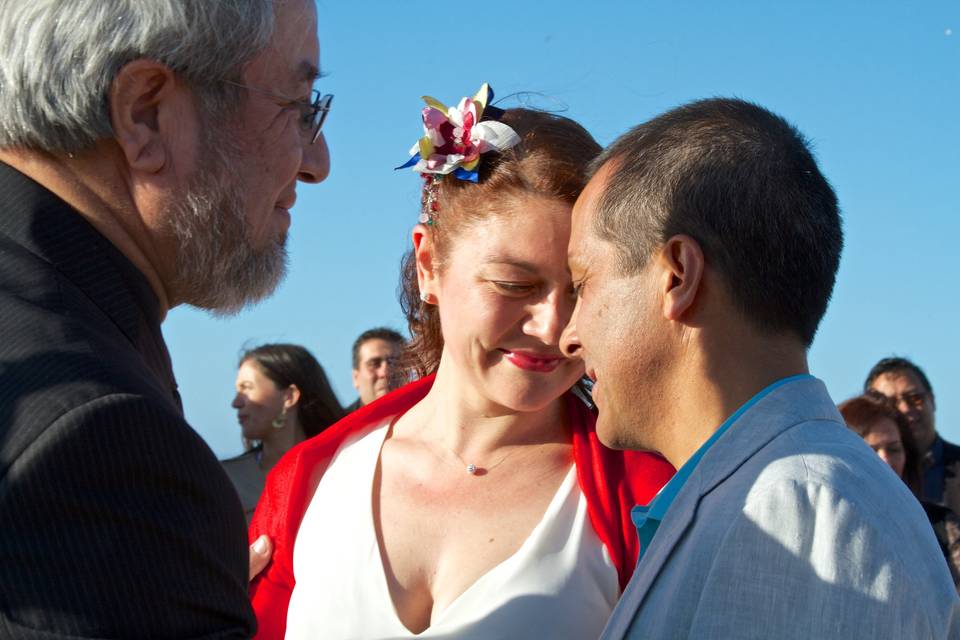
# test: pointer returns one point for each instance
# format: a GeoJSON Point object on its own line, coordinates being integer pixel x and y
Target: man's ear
{"type": "Point", "coordinates": [424, 251]}
{"type": "Point", "coordinates": [139, 95]}
{"type": "Point", "coordinates": [681, 259]}
{"type": "Point", "coordinates": [356, 379]}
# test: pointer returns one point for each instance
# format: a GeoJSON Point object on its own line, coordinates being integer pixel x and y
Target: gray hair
{"type": "Point", "coordinates": [61, 56]}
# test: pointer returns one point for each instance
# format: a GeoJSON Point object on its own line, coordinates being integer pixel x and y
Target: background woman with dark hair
{"type": "Point", "coordinates": [886, 430]}
{"type": "Point", "coordinates": [283, 397]}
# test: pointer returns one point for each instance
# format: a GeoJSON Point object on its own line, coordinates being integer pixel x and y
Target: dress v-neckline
{"type": "Point", "coordinates": [554, 505]}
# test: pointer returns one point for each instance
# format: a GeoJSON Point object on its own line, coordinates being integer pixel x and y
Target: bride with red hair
{"type": "Point", "coordinates": [477, 501]}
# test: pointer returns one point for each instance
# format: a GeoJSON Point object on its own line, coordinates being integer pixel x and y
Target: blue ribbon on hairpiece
{"type": "Point", "coordinates": [414, 159]}
{"type": "Point", "coordinates": [469, 176]}
{"type": "Point", "coordinates": [459, 172]}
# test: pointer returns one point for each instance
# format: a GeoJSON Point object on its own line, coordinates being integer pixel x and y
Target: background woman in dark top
{"type": "Point", "coordinates": [283, 397]}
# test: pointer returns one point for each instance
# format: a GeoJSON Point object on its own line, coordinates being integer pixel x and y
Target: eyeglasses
{"type": "Point", "coordinates": [913, 399]}
{"type": "Point", "coordinates": [312, 114]}
{"type": "Point", "coordinates": [374, 364]}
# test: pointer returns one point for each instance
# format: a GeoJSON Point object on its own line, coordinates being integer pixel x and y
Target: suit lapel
{"type": "Point", "coordinates": [679, 517]}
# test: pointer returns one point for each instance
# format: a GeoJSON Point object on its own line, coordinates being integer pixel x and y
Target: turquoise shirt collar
{"type": "Point", "coordinates": [647, 518]}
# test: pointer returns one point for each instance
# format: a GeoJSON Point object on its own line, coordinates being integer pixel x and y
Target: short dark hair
{"type": "Point", "coordinates": [896, 364]}
{"type": "Point", "coordinates": [287, 364]}
{"type": "Point", "coordinates": [743, 183]}
{"type": "Point", "coordinates": [863, 412]}
{"type": "Point", "coordinates": [377, 333]}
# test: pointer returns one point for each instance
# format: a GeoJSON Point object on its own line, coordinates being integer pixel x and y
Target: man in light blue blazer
{"type": "Point", "coordinates": [704, 252]}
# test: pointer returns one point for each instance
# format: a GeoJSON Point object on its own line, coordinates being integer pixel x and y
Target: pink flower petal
{"type": "Point", "coordinates": [433, 118]}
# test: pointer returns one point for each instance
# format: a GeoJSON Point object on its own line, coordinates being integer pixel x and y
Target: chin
{"type": "Point", "coordinates": [614, 435]}
{"type": "Point", "coordinates": [607, 436]}
{"type": "Point", "coordinates": [528, 396]}
{"type": "Point", "coordinates": [251, 435]}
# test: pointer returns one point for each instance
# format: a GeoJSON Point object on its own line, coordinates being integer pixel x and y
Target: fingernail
{"type": "Point", "coordinates": [260, 546]}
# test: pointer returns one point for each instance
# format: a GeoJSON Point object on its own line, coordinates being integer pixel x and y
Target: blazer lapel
{"type": "Point", "coordinates": [679, 517]}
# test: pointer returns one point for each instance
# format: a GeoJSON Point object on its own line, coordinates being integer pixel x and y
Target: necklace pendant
{"type": "Point", "coordinates": [471, 469]}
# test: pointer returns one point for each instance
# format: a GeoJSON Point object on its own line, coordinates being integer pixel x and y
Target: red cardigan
{"type": "Point", "coordinates": [612, 482]}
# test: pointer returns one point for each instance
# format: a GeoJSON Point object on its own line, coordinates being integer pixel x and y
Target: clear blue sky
{"type": "Point", "coordinates": [875, 85]}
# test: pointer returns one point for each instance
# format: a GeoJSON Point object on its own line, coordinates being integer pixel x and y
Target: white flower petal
{"type": "Point", "coordinates": [455, 116]}
{"type": "Point", "coordinates": [444, 164]}
{"type": "Point", "coordinates": [453, 161]}
{"type": "Point", "coordinates": [496, 135]}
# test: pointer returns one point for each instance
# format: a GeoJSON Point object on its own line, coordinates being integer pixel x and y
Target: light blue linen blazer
{"type": "Point", "coordinates": [791, 527]}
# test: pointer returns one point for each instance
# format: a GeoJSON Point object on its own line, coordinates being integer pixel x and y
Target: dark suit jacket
{"type": "Point", "coordinates": [115, 518]}
{"type": "Point", "coordinates": [950, 461]}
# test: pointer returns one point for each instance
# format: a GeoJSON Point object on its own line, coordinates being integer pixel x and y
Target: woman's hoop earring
{"type": "Point", "coordinates": [281, 420]}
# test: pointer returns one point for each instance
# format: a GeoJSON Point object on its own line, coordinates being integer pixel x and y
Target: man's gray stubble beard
{"type": "Point", "coordinates": [216, 267]}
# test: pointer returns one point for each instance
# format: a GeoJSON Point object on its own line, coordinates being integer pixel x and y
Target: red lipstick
{"type": "Point", "coordinates": [528, 361]}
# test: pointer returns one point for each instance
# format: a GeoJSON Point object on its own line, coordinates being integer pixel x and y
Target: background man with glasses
{"type": "Point", "coordinates": [907, 385]}
{"type": "Point", "coordinates": [149, 157]}
{"type": "Point", "coordinates": [376, 365]}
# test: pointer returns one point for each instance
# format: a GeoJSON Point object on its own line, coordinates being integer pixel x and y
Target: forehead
{"type": "Point", "coordinates": [529, 231]}
{"type": "Point", "coordinates": [897, 382]}
{"type": "Point", "coordinates": [293, 55]}
{"type": "Point", "coordinates": [585, 246]}
{"type": "Point", "coordinates": [249, 371]}
{"type": "Point", "coordinates": [376, 347]}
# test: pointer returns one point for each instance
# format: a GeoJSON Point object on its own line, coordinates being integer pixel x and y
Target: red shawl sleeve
{"type": "Point", "coordinates": [613, 482]}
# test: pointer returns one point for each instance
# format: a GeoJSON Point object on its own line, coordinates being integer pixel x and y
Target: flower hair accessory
{"type": "Point", "coordinates": [454, 137]}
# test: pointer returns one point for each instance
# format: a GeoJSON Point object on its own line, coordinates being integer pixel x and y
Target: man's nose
{"type": "Point", "coordinates": [315, 161]}
{"type": "Point", "coordinates": [904, 407]}
{"type": "Point", "coordinates": [237, 401]}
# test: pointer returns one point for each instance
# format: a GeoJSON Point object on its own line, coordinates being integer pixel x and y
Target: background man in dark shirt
{"type": "Point", "coordinates": [149, 155]}
{"type": "Point", "coordinates": [907, 385]}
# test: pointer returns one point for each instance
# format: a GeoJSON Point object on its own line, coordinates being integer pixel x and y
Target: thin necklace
{"type": "Point", "coordinates": [476, 470]}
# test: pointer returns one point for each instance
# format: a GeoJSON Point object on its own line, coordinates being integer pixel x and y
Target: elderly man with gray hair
{"type": "Point", "coordinates": [149, 156]}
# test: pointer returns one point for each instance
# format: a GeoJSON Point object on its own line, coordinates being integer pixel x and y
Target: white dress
{"type": "Point", "coordinates": [559, 584]}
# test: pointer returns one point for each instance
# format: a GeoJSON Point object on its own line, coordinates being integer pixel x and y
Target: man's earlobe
{"type": "Point", "coordinates": [138, 93]}
{"type": "Point", "coordinates": [683, 264]}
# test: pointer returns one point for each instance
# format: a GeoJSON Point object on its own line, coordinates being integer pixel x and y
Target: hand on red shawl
{"type": "Point", "coordinates": [260, 552]}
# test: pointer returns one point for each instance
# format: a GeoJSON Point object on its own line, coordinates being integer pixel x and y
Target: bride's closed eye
{"type": "Point", "coordinates": [515, 289]}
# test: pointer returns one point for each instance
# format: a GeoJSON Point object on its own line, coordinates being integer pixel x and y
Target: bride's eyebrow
{"type": "Point", "coordinates": [510, 262]}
